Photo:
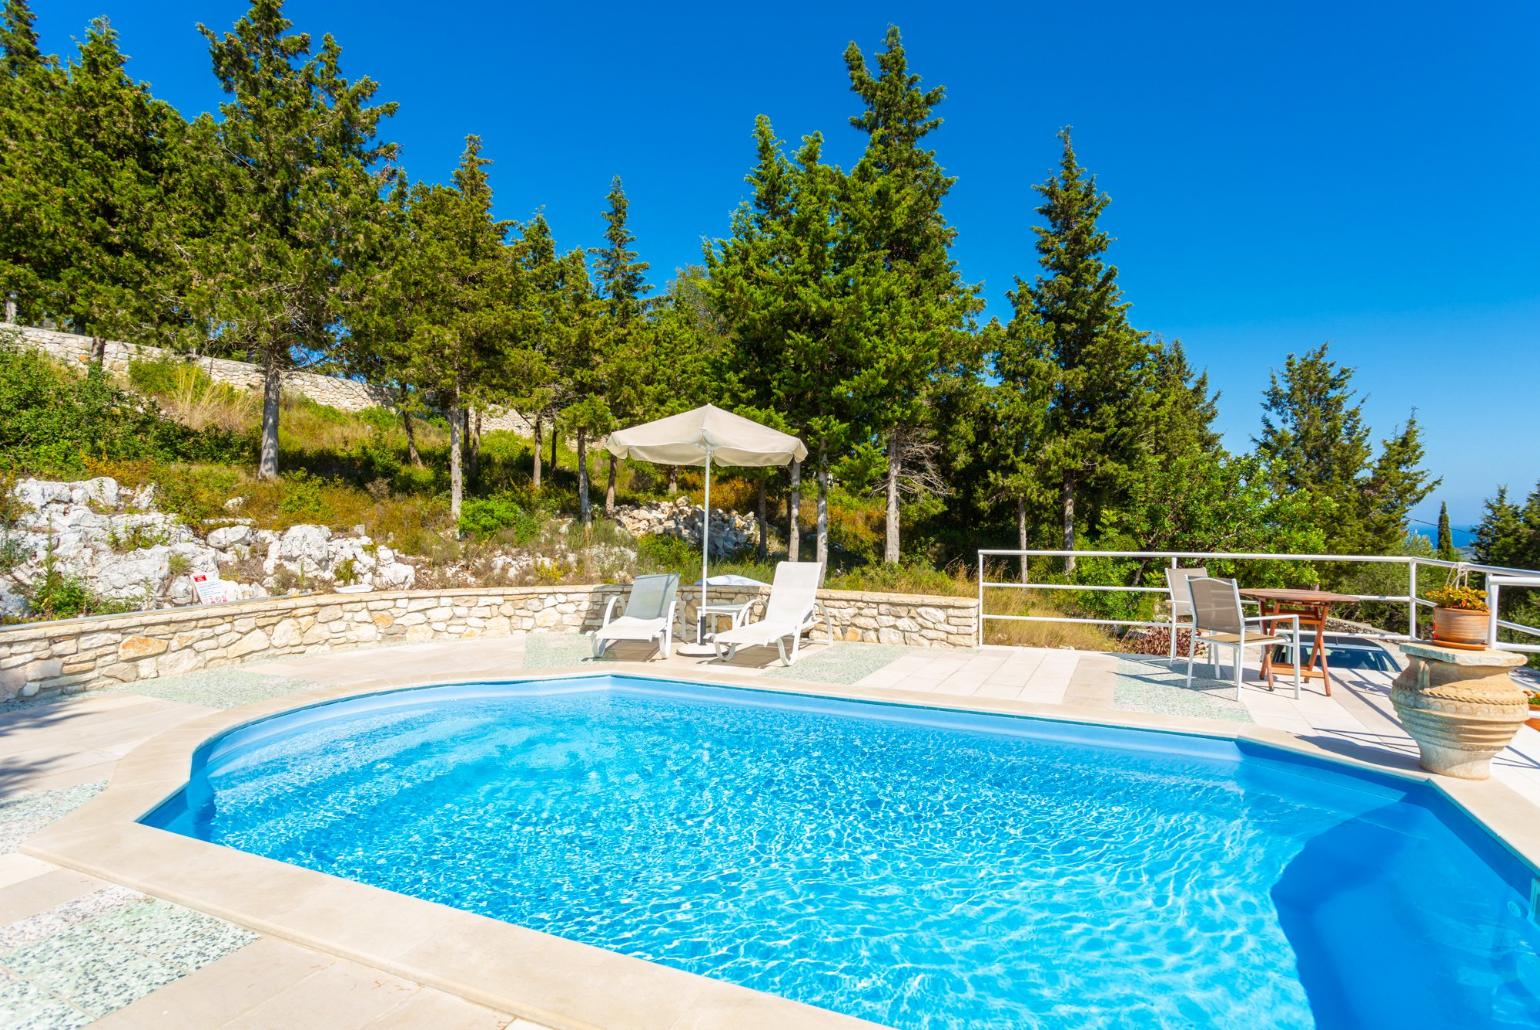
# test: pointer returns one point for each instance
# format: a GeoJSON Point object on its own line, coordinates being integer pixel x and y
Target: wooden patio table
{"type": "Point", "coordinates": [1313, 608]}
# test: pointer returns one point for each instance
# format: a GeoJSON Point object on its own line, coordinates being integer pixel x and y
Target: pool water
{"type": "Point", "coordinates": [912, 866]}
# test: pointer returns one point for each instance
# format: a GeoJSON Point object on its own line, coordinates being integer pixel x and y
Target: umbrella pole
{"type": "Point", "coordinates": [705, 552]}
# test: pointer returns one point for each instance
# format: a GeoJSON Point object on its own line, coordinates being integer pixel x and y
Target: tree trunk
{"type": "Point", "coordinates": [673, 480]}
{"type": "Point", "coordinates": [98, 350]}
{"type": "Point", "coordinates": [890, 552]}
{"type": "Point", "coordinates": [585, 513]}
{"type": "Point", "coordinates": [821, 551]}
{"type": "Point", "coordinates": [473, 433]}
{"type": "Point", "coordinates": [1067, 499]}
{"type": "Point", "coordinates": [10, 309]}
{"type": "Point", "coordinates": [272, 385]}
{"type": "Point", "coordinates": [609, 487]}
{"type": "Point", "coordinates": [456, 459]}
{"type": "Point", "coordinates": [470, 442]}
{"type": "Point", "coordinates": [762, 514]}
{"type": "Point", "coordinates": [553, 446]}
{"type": "Point", "coordinates": [534, 480]}
{"type": "Point", "coordinates": [793, 511]}
{"type": "Point", "coordinates": [1021, 534]}
{"type": "Point", "coordinates": [410, 430]}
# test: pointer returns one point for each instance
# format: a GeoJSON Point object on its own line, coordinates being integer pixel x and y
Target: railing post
{"type": "Point", "coordinates": [981, 598]}
{"type": "Point", "coordinates": [1411, 601]}
{"type": "Point", "coordinates": [1494, 585]}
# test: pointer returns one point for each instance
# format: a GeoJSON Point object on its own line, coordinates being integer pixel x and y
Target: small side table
{"type": "Point", "coordinates": [710, 613]}
{"type": "Point", "coordinates": [1461, 707]}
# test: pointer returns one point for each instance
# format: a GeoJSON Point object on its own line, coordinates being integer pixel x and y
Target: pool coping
{"type": "Point", "coordinates": [552, 980]}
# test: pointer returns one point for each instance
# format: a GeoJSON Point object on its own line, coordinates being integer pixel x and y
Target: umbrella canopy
{"type": "Point", "coordinates": [685, 440]}
{"type": "Point", "coordinates": [702, 437]}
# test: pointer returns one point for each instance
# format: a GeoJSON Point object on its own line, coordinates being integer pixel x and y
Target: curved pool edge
{"type": "Point", "coordinates": [552, 980]}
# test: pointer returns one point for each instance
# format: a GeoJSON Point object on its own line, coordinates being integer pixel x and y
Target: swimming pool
{"type": "Point", "coordinates": [913, 866]}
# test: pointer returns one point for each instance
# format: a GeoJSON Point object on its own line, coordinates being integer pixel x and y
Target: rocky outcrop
{"type": "Point", "coordinates": [730, 531]}
{"type": "Point", "coordinates": [120, 549]}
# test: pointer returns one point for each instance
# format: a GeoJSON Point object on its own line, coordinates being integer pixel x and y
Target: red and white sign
{"type": "Point", "coordinates": [212, 590]}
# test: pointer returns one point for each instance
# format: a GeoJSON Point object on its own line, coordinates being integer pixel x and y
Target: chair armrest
{"type": "Point", "coordinates": [668, 616]}
{"type": "Point", "coordinates": [1265, 619]}
{"type": "Point", "coordinates": [609, 610]}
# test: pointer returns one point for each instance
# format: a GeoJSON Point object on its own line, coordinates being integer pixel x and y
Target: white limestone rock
{"type": "Point", "coordinates": [227, 537]}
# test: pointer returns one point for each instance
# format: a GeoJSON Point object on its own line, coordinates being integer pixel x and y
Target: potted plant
{"type": "Point", "coordinates": [1460, 618]}
{"type": "Point", "coordinates": [1533, 722]}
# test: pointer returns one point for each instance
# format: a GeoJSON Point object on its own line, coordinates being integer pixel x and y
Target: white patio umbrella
{"type": "Point", "coordinates": [700, 437]}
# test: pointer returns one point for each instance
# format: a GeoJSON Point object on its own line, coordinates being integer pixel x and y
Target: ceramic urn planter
{"type": "Point", "coordinates": [1461, 707]}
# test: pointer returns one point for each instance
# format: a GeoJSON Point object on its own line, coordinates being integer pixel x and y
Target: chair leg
{"type": "Point", "coordinates": [1173, 638]}
{"type": "Point", "coordinates": [1239, 665]}
{"type": "Point", "coordinates": [780, 646]}
{"type": "Point", "coordinates": [1192, 650]}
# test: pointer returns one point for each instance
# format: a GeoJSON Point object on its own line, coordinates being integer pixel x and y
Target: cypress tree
{"type": "Point", "coordinates": [1095, 432]}
{"type": "Point", "coordinates": [1446, 549]}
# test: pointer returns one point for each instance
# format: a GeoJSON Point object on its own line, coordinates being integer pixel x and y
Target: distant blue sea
{"type": "Point", "coordinates": [1463, 535]}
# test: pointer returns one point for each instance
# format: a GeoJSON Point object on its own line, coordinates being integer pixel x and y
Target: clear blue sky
{"type": "Point", "coordinates": [1362, 173]}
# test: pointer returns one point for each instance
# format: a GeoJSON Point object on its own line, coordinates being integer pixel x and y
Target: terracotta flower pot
{"type": "Point", "coordinates": [1460, 626]}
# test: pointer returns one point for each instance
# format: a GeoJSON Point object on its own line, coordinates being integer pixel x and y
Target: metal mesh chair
{"type": "Point", "coordinates": [649, 615]}
{"type": "Point", "coordinates": [1218, 621]}
{"type": "Point", "coordinates": [1181, 598]}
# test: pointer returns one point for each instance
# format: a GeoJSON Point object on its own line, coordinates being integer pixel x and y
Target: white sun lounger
{"type": "Point", "coordinates": [792, 610]}
{"type": "Point", "coordinates": [649, 615]}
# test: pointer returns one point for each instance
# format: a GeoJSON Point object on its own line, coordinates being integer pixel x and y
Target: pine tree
{"type": "Point", "coordinates": [31, 157]}
{"type": "Point", "coordinates": [1317, 446]}
{"type": "Point", "coordinates": [1499, 538]}
{"type": "Point", "coordinates": [118, 184]}
{"type": "Point", "coordinates": [1446, 549]}
{"type": "Point", "coordinates": [622, 283]}
{"type": "Point", "coordinates": [788, 299]}
{"type": "Point", "coordinates": [19, 51]}
{"type": "Point", "coordinates": [1396, 483]}
{"type": "Point", "coordinates": [1096, 434]}
{"type": "Point", "coordinates": [916, 307]}
{"type": "Point", "coordinates": [302, 171]}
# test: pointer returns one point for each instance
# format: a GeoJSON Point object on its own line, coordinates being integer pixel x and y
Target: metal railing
{"type": "Point", "coordinates": [1496, 579]}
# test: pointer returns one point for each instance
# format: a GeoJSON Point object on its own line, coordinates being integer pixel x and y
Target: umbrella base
{"type": "Point", "coordinates": [690, 650]}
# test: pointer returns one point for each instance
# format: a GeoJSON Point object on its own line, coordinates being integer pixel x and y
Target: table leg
{"type": "Point", "coordinates": [1320, 649]}
{"type": "Point", "coordinates": [1267, 652]}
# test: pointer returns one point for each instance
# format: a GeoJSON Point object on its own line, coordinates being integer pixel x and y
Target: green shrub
{"type": "Point", "coordinates": [345, 572]}
{"type": "Point", "coordinates": [56, 595]}
{"type": "Point", "coordinates": [53, 421]}
{"type": "Point", "coordinates": [135, 538]}
{"type": "Point", "coordinates": [483, 516]}
{"type": "Point", "coordinates": [302, 500]}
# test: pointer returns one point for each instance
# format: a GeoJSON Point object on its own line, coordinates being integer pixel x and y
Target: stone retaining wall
{"type": "Point", "coordinates": [334, 392]}
{"type": "Point", "coordinates": [83, 654]}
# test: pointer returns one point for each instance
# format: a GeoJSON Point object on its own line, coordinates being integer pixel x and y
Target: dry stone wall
{"type": "Point", "coordinates": [334, 392]}
{"type": "Point", "coordinates": [84, 654]}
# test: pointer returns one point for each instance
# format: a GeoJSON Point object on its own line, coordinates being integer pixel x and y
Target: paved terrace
{"type": "Point", "coordinates": [75, 949]}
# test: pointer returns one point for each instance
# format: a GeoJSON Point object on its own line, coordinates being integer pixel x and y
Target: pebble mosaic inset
{"type": "Point", "coordinates": [1150, 685]}
{"type": "Point", "coordinates": [556, 650]}
{"type": "Point", "coordinates": [92, 956]}
{"type": "Point", "coordinates": [78, 961]}
{"type": "Point", "coordinates": [24, 814]}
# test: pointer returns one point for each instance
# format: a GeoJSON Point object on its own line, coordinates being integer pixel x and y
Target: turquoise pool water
{"type": "Point", "coordinates": [912, 866]}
